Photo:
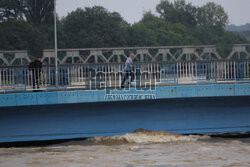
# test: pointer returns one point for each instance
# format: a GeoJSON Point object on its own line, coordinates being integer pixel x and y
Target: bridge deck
{"type": "Point", "coordinates": [126, 94]}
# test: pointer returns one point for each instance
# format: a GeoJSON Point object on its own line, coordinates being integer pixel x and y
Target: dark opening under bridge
{"type": "Point", "coordinates": [206, 95]}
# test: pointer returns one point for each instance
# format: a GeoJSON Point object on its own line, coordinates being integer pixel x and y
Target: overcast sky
{"type": "Point", "coordinates": [132, 10]}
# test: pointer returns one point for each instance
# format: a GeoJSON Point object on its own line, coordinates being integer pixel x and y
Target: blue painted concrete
{"type": "Point", "coordinates": [47, 98]}
{"type": "Point", "coordinates": [196, 115]}
{"type": "Point", "coordinates": [7, 100]}
{"type": "Point", "coordinates": [86, 96]}
{"type": "Point", "coordinates": [184, 109]}
{"type": "Point", "coordinates": [26, 99]}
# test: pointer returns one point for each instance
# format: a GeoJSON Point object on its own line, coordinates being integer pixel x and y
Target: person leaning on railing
{"type": "Point", "coordinates": [36, 71]}
{"type": "Point", "coordinates": [128, 69]}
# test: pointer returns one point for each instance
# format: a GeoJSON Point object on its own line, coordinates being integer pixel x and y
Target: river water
{"type": "Point", "coordinates": [140, 149]}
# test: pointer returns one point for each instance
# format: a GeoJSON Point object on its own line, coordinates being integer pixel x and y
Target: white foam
{"type": "Point", "coordinates": [148, 137]}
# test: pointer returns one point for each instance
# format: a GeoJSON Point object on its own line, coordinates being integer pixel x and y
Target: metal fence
{"type": "Point", "coordinates": [93, 76]}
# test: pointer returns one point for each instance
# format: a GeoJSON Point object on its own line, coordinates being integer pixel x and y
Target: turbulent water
{"type": "Point", "coordinates": [140, 149]}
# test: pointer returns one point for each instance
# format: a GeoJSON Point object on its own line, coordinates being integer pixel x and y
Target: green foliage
{"type": "Point", "coordinates": [148, 16]}
{"type": "Point", "coordinates": [212, 15]}
{"type": "Point", "coordinates": [94, 27]}
{"type": "Point", "coordinates": [246, 34]}
{"type": "Point", "coordinates": [140, 35]}
{"type": "Point", "coordinates": [224, 42]}
{"type": "Point", "coordinates": [10, 9]}
{"type": "Point", "coordinates": [28, 24]}
{"type": "Point", "coordinates": [205, 24]}
{"type": "Point", "coordinates": [35, 12]}
{"type": "Point", "coordinates": [157, 32]}
{"type": "Point", "coordinates": [38, 12]}
{"type": "Point", "coordinates": [18, 35]}
{"type": "Point", "coordinates": [177, 12]}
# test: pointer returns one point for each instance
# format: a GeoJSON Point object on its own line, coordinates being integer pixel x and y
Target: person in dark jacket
{"type": "Point", "coordinates": [36, 69]}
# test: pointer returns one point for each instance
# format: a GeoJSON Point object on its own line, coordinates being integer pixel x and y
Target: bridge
{"type": "Point", "coordinates": [189, 89]}
{"type": "Point", "coordinates": [119, 55]}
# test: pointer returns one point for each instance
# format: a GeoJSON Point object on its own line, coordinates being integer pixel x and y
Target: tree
{"type": "Point", "coordinates": [18, 35]}
{"type": "Point", "coordinates": [94, 27]}
{"type": "Point", "coordinates": [156, 31]}
{"type": "Point", "coordinates": [141, 35]}
{"type": "Point", "coordinates": [177, 12]}
{"type": "Point", "coordinates": [212, 14]}
{"type": "Point", "coordinates": [35, 12]}
{"type": "Point", "coordinates": [148, 16]}
{"type": "Point", "coordinates": [39, 12]}
{"type": "Point", "coordinates": [10, 9]}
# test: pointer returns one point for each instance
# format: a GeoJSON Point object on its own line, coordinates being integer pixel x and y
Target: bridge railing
{"type": "Point", "coordinates": [93, 76]}
{"type": "Point", "coordinates": [152, 54]}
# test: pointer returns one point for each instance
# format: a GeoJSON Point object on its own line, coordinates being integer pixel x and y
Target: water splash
{"type": "Point", "coordinates": [146, 136]}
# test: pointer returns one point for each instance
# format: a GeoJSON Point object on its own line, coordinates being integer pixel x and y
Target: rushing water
{"type": "Point", "coordinates": [141, 149]}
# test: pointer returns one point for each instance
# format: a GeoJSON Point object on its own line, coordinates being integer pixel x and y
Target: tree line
{"type": "Point", "coordinates": [28, 24]}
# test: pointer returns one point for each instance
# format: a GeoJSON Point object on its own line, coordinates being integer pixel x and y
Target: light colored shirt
{"type": "Point", "coordinates": [128, 64]}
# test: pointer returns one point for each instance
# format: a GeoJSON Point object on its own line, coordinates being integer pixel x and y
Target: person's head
{"type": "Point", "coordinates": [39, 58]}
{"type": "Point", "coordinates": [132, 55]}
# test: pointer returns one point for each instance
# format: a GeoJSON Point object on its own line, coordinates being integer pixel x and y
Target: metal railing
{"type": "Point", "coordinates": [102, 76]}
{"type": "Point", "coordinates": [119, 54]}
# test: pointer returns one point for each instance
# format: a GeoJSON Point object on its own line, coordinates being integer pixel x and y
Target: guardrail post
{"type": "Point", "coordinates": [234, 71]}
{"type": "Point", "coordinates": [196, 72]}
{"type": "Point", "coordinates": [177, 72]}
{"type": "Point", "coordinates": [248, 68]}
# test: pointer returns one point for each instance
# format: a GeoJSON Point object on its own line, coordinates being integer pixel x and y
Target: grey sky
{"type": "Point", "coordinates": [132, 10]}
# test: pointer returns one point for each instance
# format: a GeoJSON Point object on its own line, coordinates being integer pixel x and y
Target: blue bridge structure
{"type": "Point", "coordinates": [194, 90]}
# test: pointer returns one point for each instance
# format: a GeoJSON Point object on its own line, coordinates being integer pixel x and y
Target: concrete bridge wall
{"type": "Point", "coordinates": [184, 109]}
{"type": "Point", "coordinates": [93, 96]}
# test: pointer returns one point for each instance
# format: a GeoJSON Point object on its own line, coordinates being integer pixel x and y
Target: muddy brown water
{"type": "Point", "coordinates": [140, 149]}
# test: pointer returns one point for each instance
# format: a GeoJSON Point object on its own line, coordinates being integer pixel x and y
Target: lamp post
{"type": "Point", "coordinates": [55, 36]}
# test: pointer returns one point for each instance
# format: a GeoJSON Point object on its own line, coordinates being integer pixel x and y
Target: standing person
{"type": "Point", "coordinates": [128, 69]}
{"type": "Point", "coordinates": [36, 69]}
